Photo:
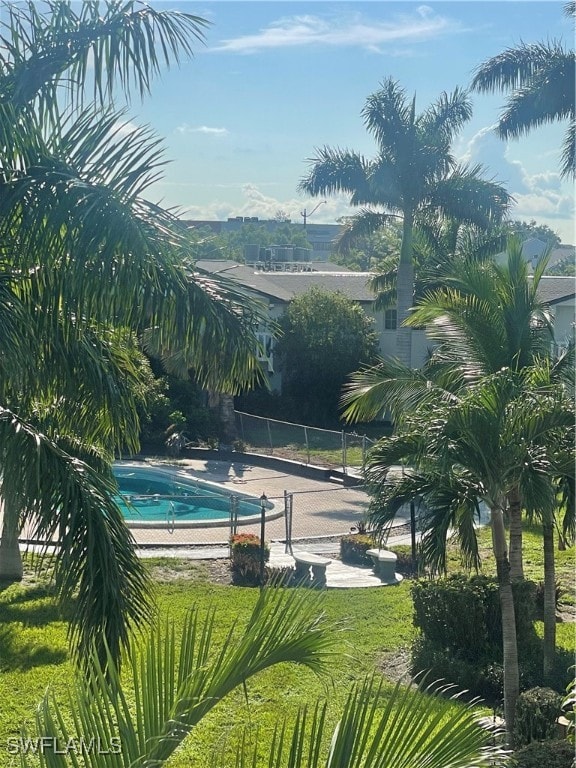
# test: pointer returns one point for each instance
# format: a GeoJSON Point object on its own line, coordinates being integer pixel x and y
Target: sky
{"type": "Point", "coordinates": [274, 81]}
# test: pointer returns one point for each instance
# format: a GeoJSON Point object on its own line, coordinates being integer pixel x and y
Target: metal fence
{"type": "Point", "coordinates": [295, 515]}
{"type": "Point", "coordinates": [309, 445]}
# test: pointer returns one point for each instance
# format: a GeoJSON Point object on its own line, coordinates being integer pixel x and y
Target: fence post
{"type": "Point", "coordinates": [242, 427]}
{"type": "Point", "coordinates": [269, 436]}
{"type": "Point", "coordinates": [344, 452]}
{"type": "Point", "coordinates": [233, 518]}
{"type": "Point", "coordinates": [363, 450]}
{"type": "Point", "coordinates": [288, 508]}
{"type": "Point", "coordinates": [307, 445]}
{"type": "Point", "coordinates": [263, 500]}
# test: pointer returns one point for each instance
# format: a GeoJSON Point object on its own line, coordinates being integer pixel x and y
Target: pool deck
{"type": "Point", "coordinates": [322, 509]}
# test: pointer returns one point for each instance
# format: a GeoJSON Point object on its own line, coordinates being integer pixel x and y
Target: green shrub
{"type": "Point", "coordinates": [569, 706]}
{"type": "Point", "coordinates": [245, 551]}
{"type": "Point", "coordinates": [460, 621]}
{"type": "Point", "coordinates": [482, 679]}
{"type": "Point", "coordinates": [537, 710]}
{"type": "Point", "coordinates": [545, 754]}
{"type": "Point", "coordinates": [404, 563]}
{"type": "Point", "coordinates": [558, 592]}
{"type": "Point", "coordinates": [441, 605]}
{"type": "Point", "coordinates": [353, 548]}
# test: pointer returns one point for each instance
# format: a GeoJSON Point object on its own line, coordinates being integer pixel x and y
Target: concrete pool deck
{"type": "Point", "coordinates": [321, 508]}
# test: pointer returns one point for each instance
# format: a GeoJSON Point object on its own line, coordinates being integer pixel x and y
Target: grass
{"type": "Point", "coordinates": [375, 624]}
{"type": "Point", "coordinates": [319, 446]}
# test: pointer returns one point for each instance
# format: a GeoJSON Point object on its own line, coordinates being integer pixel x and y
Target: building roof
{"type": "Point", "coordinates": [556, 288]}
{"type": "Point", "coordinates": [284, 286]}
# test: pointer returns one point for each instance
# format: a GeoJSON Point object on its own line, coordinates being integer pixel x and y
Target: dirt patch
{"type": "Point", "coordinates": [396, 666]}
{"type": "Point", "coordinates": [566, 612]}
{"type": "Point", "coordinates": [214, 571]}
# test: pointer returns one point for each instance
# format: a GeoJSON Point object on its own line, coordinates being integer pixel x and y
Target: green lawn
{"type": "Point", "coordinates": [373, 626]}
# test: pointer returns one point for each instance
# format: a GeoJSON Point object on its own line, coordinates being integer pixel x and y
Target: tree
{"type": "Point", "coordinates": [87, 262]}
{"type": "Point", "coordinates": [374, 252]}
{"type": "Point", "coordinates": [541, 80]}
{"type": "Point", "coordinates": [413, 175]}
{"type": "Point", "coordinates": [484, 317]}
{"type": "Point", "coordinates": [493, 438]}
{"type": "Point", "coordinates": [175, 688]}
{"type": "Point", "coordinates": [324, 337]}
{"type": "Point", "coordinates": [487, 318]}
{"type": "Point", "coordinates": [524, 230]}
{"type": "Point", "coordinates": [439, 244]}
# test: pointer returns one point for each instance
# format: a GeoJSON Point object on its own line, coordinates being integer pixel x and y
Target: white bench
{"type": "Point", "coordinates": [305, 562]}
{"type": "Point", "coordinates": [384, 565]}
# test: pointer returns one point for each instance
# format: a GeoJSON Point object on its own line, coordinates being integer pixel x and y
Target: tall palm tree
{"type": "Point", "coordinates": [171, 689]}
{"type": "Point", "coordinates": [437, 244]}
{"type": "Point", "coordinates": [86, 260]}
{"type": "Point", "coordinates": [485, 318]}
{"type": "Point", "coordinates": [477, 445]}
{"type": "Point", "coordinates": [414, 174]}
{"type": "Point", "coordinates": [540, 78]}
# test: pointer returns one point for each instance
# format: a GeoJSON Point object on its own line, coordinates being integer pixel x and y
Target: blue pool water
{"type": "Point", "coordinates": [154, 495]}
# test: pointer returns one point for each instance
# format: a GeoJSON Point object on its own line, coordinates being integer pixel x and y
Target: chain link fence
{"type": "Point", "coordinates": [309, 445]}
{"type": "Point", "coordinates": [290, 516]}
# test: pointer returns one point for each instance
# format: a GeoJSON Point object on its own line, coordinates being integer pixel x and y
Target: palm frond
{"type": "Point", "coordinates": [337, 170]}
{"type": "Point", "coordinates": [71, 502]}
{"type": "Point", "coordinates": [175, 685]}
{"type": "Point", "coordinates": [447, 115]}
{"type": "Point", "coordinates": [116, 43]}
{"type": "Point", "coordinates": [408, 727]}
{"type": "Point", "coordinates": [465, 196]}
{"type": "Point", "coordinates": [389, 385]}
{"type": "Point", "coordinates": [364, 223]}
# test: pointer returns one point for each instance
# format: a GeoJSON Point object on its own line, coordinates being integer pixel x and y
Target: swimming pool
{"type": "Point", "coordinates": [152, 497]}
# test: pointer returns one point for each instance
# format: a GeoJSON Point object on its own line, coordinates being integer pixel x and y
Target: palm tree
{"type": "Point", "coordinates": [492, 437]}
{"type": "Point", "coordinates": [437, 244]}
{"type": "Point", "coordinates": [485, 318]}
{"type": "Point", "coordinates": [414, 175]}
{"type": "Point", "coordinates": [171, 690]}
{"type": "Point", "coordinates": [86, 262]}
{"type": "Point", "coordinates": [541, 79]}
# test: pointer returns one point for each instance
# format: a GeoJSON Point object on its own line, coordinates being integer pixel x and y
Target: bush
{"type": "Point", "coordinates": [404, 564]}
{"type": "Point", "coordinates": [484, 680]}
{"type": "Point", "coordinates": [245, 553]}
{"type": "Point", "coordinates": [353, 548]}
{"type": "Point", "coordinates": [545, 754]}
{"type": "Point", "coordinates": [558, 592]}
{"type": "Point", "coordinates": [469, 652]}
{"type": "Point", "coordinates": [536, 713]}
{"type": "Point", "coordinates": [440, 605]}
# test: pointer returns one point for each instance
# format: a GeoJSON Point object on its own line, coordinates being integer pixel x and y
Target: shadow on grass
{"type": "Point", "coordinates": [25, 607]}
{"type": "Point", "coordinates": [22, 656]}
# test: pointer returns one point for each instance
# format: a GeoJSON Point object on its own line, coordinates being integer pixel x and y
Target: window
{"type": "Point", "coordinates": [390, 320]}
{"type": "Point", "coordinates": [265, 355]}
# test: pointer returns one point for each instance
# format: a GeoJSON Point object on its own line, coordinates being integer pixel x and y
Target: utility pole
{"type": "Point", "coordinates": [307, 215]}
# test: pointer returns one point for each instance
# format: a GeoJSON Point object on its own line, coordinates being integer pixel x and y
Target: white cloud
{"type": "Point", "coordinates": [184, 128]}
{"type": "Point", "coordinates": [539, 196]}
{"type": "Point", "coordinates": [350, 31]}
{"type": "Point", "coordinates": [125, 128]}
{"type": "Point", "coordinates": [253, 202]}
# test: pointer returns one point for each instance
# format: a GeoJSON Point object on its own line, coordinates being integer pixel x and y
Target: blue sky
{"type": "Point", "coordinates": [275, 80]}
